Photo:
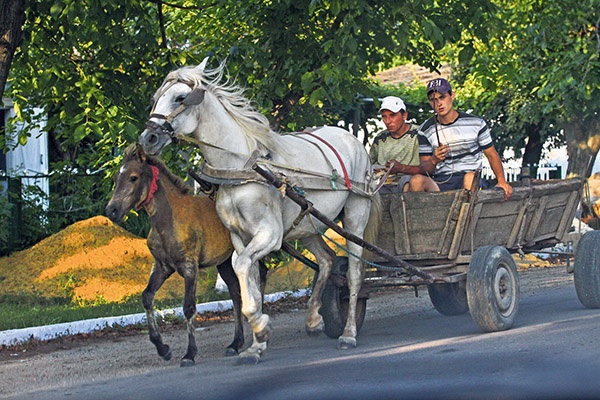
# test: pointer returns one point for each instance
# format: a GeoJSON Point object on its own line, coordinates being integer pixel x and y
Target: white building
{"type": "Point", "coordinates": [29, 161]}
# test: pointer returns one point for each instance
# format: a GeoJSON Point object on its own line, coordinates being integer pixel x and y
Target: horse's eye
{"type": "Point", "coordinates": [133, 179]}
{"type": "Point", "coordinates": [180, 98]}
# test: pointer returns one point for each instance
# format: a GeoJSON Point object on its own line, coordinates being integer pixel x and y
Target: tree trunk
{"type": "Point", "coordinates": [12, 17]}
{"type": "Point", "coordinates": [583, 142]}
{"type": "Point", "coordinates": [533, 148]}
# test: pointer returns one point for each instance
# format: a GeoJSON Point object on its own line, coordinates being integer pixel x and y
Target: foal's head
{"type": "Point", "coordinates": [134, 183]}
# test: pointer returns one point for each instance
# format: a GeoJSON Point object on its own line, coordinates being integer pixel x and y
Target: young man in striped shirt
{"type": "Point", "coordinates": [451, 143]}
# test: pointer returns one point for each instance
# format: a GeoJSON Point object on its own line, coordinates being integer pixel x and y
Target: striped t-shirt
{"type": "Point", "coordinates": [467, 137]}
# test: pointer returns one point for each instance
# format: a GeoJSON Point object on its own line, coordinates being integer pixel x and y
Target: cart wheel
{"type": "Point", "coordinates": [449, 298]}
{"type": "Point", "coordinates": [335, 303]}
{"type": "Point", "coordinates": [586, 269]}
{"type": "Point", "coordinates": [493, 288]}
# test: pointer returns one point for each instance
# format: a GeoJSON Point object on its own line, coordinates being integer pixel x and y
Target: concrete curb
{"type": "Point", "coordinates": [47, 332]}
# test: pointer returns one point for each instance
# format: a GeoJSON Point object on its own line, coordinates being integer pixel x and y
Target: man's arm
{"type": "Point", "coordinates": [496, 165]}
{"type": "Point", "coordinates": [398, 168]}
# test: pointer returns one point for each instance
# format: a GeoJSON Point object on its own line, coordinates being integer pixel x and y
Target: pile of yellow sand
{"type": "Point", "coordinates": [95, 258]}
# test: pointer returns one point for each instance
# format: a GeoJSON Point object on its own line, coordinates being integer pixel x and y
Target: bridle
{"type": "Point", "coordinates": [195, 97]}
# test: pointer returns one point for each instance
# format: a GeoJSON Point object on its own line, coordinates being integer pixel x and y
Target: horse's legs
{"type": "Point", "coordinates": [355, 221]}
{"type": "Point", "coordinates": [325, 256]}
{"type": "Point", "coordinates": [233, 285]}
{"type": "Point", "coordinates": [190, 273]}
{"type": "Point", "coordinates": [247, 270]}
{"type": "Point", "coordinates": [158, 276]}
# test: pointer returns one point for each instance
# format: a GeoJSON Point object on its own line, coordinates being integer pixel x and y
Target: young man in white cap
{"type": "Point", "coordinates": [396, 149]}
{"type": "Point", "coordinates": [451, 143]}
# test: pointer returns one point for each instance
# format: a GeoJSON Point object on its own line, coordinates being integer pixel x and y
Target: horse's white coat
{"type": "Point", "coordinates": [256, 214]}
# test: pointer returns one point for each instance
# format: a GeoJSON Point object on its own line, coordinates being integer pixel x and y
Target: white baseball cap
{"type": "Point", "coordinates": [392, 103]}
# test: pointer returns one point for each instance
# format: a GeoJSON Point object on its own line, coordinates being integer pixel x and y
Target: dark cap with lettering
{"type": "Point", "coordinates": [439, 85]}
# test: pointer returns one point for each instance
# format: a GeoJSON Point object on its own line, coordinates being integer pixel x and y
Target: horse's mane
{"type": "Point", "coordinates": [131, 153]}
{"type": "Point", "coordinates": [231, 96]}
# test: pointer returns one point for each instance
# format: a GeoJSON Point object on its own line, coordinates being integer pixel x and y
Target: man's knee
{"type": "Point", "coordinates": [422, 183]}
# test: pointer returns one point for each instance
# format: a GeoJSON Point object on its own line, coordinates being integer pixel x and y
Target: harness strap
{"type": "Point", "coordinates": [216, 176]}
{"type": "Point", "coordinates": [153, 187]}
{"type": "Point", "coordinates": [346, 177]}
{"type": "Point", "coordinates": [229, 177]}
{"type": "Point", "coordinates": [303, 213]}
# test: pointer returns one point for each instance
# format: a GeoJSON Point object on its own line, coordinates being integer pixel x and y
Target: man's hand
{"type": "Point", "coordinates": [394, 167]}
{"type": "Point", "coordinates": [508, 190]}
{"type": "Point", "coordinates": [440, 154]}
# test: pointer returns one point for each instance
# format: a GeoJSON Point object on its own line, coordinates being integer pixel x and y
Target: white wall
{"type": "Point", "coordinates": [30, 160]}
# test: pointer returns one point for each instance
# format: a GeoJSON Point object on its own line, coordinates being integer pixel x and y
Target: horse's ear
{"type": "Point", "coordinates": [202, 65]}
{"type": "Point", "coordinates": [139, 153]}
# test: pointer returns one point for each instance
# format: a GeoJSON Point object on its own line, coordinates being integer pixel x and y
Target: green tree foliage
{"type": "Point", "coordinates": [301, 60]}
{"type": "Point", "coordinates": [539, 77]}
{"type": "Point", "coordinates": [92, 66]}
{"type": "Point", "coordinates": [87, 65]}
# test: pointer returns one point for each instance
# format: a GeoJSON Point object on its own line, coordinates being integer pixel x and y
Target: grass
{"type": "Point", "coordinates": [33, 309]}
{"type": "Point", "coordinates": [27, 311]}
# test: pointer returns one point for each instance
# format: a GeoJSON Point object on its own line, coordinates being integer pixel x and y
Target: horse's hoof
{"type": "Point", "coordinates": [265, 334]}
{"type": "Point", "coordinates": [345, 343]}
{"type": "Point", "coordinates": [230, 352]}
{"type": "Point", "coordinates": [250, 359]}
{"type": "Point", "coordinates": [167, 356]}
{"type": "Point", "coordinates": [316, 331]}
{"type": "Point", "coordinates": [187, 362]}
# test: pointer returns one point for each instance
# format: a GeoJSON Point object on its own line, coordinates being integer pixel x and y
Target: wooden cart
{"type": "Point", "coordinates": [460, 243]}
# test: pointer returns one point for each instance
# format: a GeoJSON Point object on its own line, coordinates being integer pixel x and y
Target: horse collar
{"type": "Point", "coordinates": [153, 187]}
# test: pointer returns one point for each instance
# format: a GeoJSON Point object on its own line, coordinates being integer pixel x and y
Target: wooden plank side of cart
{"type": "Point", "coordinates": [435, 228]}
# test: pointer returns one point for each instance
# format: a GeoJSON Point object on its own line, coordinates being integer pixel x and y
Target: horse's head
{"type": "Point", "coordinates": [134, 182]}
{"type": "Point", "coordinates": [171, 108]}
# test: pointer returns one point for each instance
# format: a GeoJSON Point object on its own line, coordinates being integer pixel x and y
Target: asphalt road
{"type": "Point", "coordinates": [552, 352]}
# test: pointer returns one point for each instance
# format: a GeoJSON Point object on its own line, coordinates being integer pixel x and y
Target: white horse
{"type": "Point", "coordinates": [330, 165]}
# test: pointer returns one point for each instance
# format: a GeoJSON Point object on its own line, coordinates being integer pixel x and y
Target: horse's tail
{"type": "Point", "coordinates": [373, 225]}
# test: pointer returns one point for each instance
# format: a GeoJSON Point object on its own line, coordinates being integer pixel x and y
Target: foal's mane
{"type": "Point", "coordinates": [255, 125]}
{"type": "Point", "coordinates": [131, 154]}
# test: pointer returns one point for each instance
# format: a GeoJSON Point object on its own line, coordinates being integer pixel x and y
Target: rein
{"type": "Point", "coordinates": [153, 187]}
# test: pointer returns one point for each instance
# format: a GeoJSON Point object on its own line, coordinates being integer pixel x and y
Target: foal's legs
{"type": "Point", "coordinates": [189, 273]}
{"type": "Point", "coordinates": [158, 276]}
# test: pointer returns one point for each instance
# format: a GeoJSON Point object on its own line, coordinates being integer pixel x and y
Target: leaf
{"type": "Point", "coordinates": [466, 54]}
